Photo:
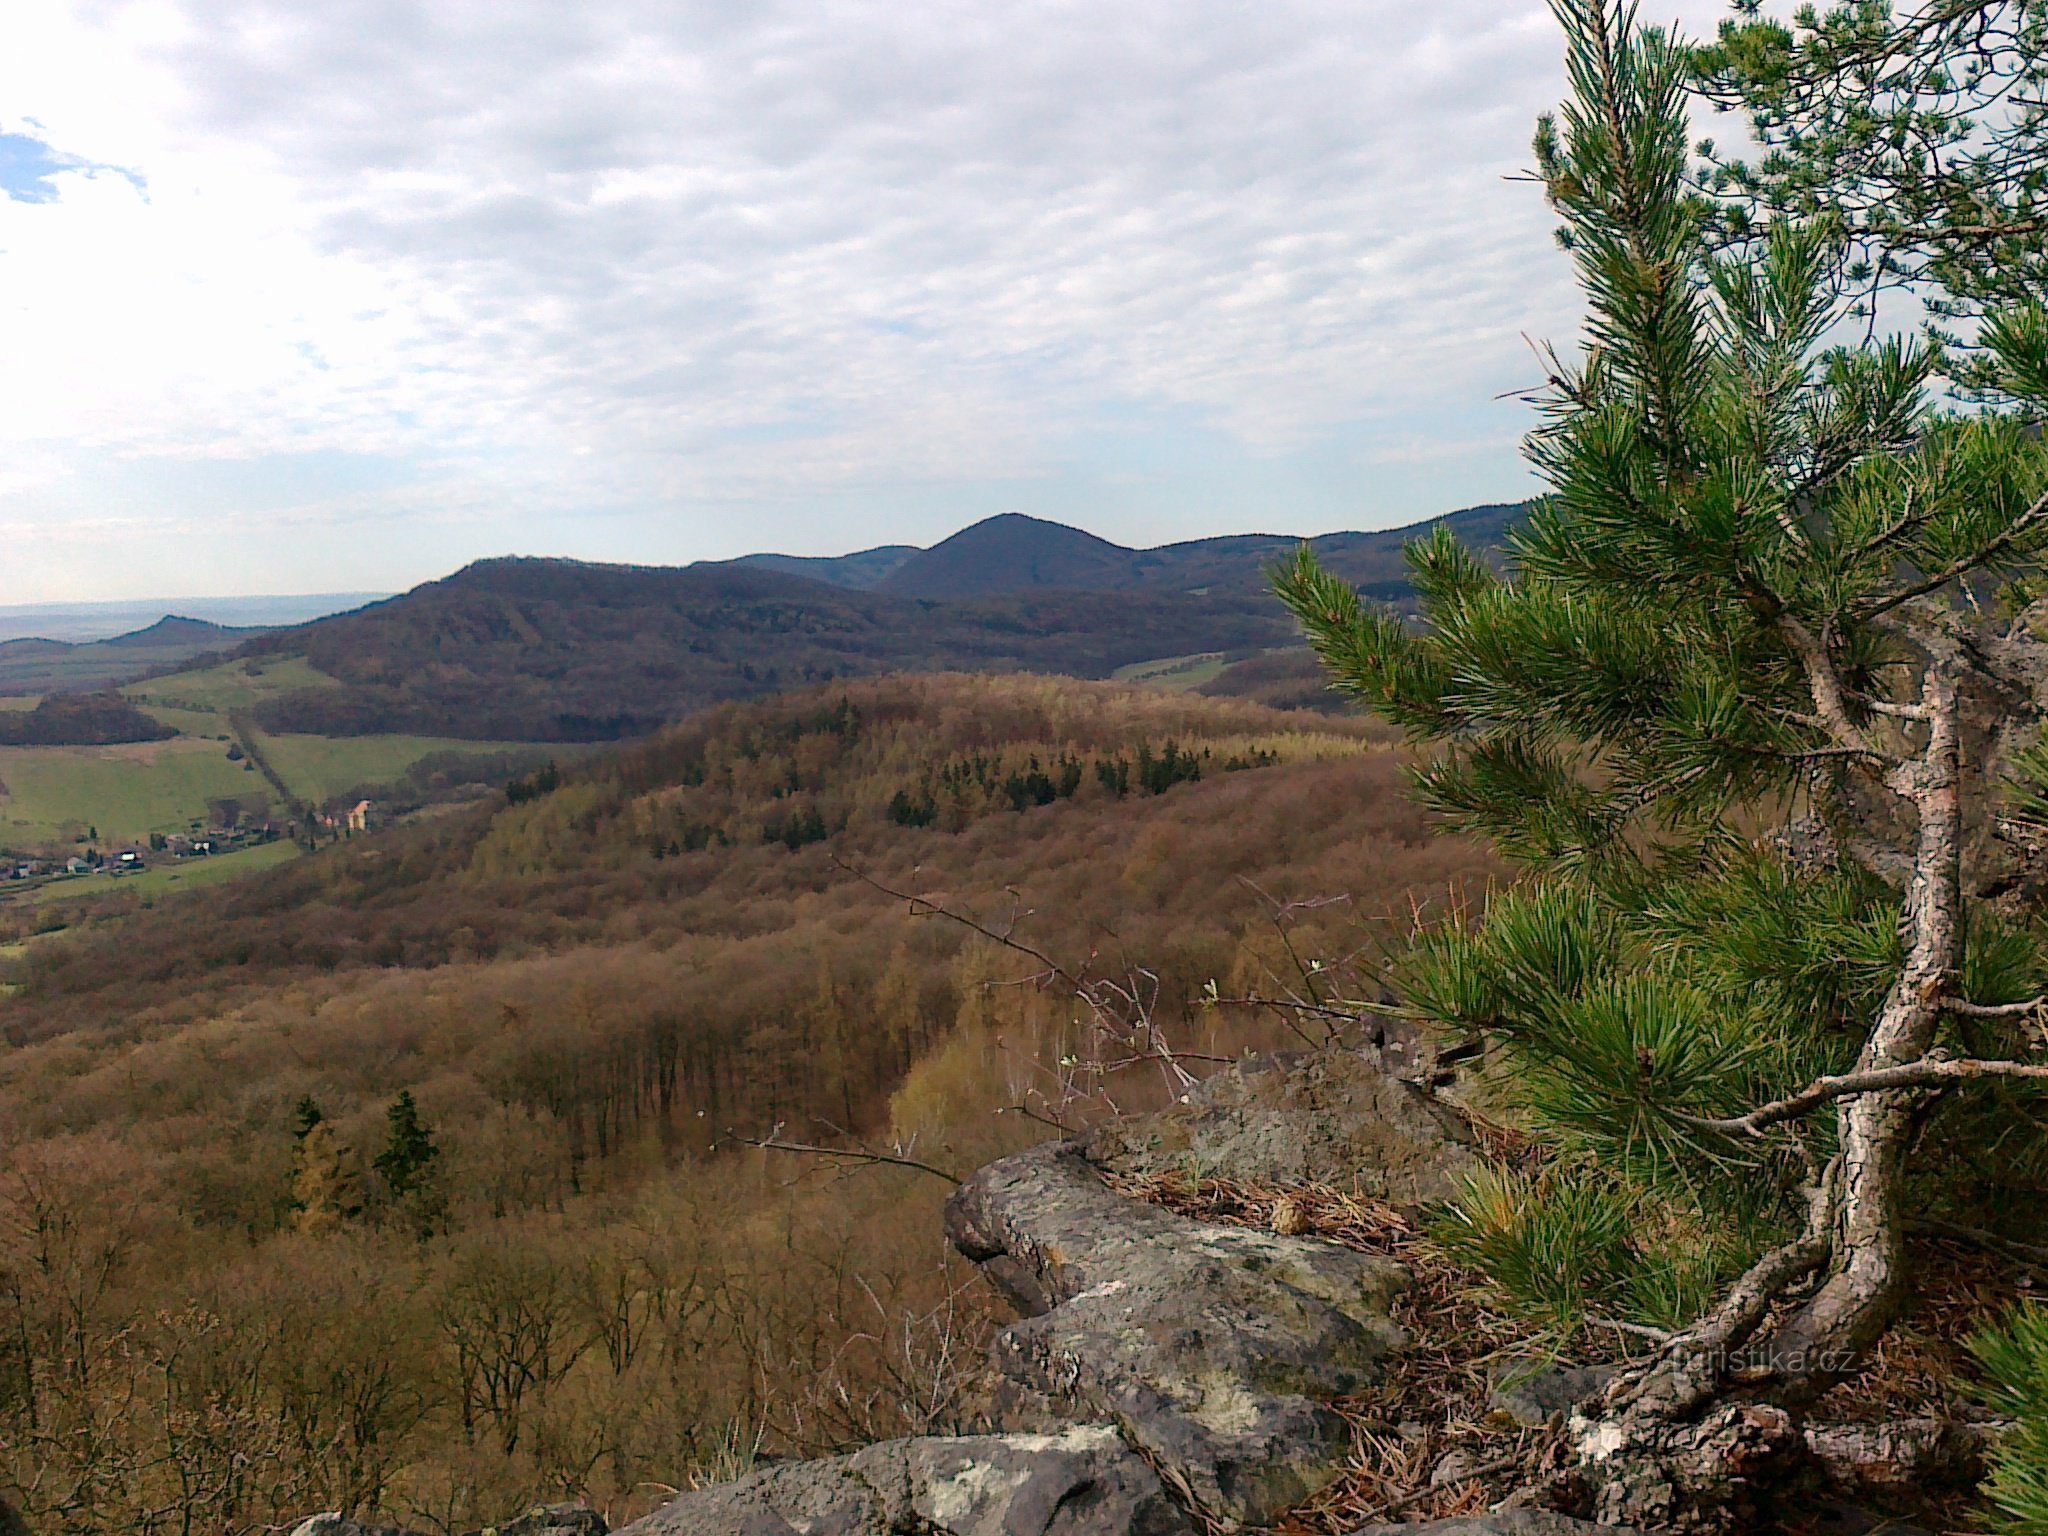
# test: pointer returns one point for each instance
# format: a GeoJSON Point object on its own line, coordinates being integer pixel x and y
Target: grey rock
{"type": "Point", "coordinates": [552, 1520]}
{"type": "Point", "coordinates": [1082, 1482]}
{"type": "Point", "coordinates": [1215, 1349]}
{"type": "Point", "coordinates": [1505, 1522]}
{"type": "Point", "coordinates": [1321, 1117]}
{"type": "Point", "coordinates": [1533, 1392]}
{"type": "Point", "coordinates": [545, 1520]}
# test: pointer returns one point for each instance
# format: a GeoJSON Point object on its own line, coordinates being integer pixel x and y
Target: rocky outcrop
{"type": "Point", "coordinates": [1322, 1117]}
{"type": "Point", "coordinates": [1216, 1350]}
{"type": "Point", "coordinates": [545, 1520]}
{"type": "Point", "coordinates": [1084, 1482]}
{"type": "Point", "coordinates": [1186, 1369]}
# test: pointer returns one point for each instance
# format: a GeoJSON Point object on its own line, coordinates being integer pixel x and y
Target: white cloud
{"type": "Point", "coordinates": [719, 272]}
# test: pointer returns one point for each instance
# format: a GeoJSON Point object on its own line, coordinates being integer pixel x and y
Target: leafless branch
{"type": "Point", "coordinates": [861, 1156]}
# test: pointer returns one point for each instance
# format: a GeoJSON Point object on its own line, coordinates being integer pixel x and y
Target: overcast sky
{"type": "Point", "coordinates": [307, 297]}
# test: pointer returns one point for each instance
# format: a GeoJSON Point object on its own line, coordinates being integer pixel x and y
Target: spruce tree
{"type": "Point", "coordinates": [407, 1164]}
{"type": "Point", "coordinates": [1743, 705]}
{"type": "Point", "coordinates": [409, 1149]}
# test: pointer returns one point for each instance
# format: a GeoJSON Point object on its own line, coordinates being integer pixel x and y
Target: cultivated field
{"type": "Point", "coordinates": [54, 798]}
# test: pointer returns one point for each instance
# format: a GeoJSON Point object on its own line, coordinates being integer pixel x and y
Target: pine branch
{"type": "Point", "coordinates": [1963, 565]}
{"type": "Point", "coordinates": [1928, 1072]}
{"type": "Point", "coordinates": [1830, 698]}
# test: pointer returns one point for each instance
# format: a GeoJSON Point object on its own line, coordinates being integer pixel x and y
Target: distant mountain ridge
{"type": "Point", "coordinates": [863, 569]}
{"type": "Point", "coordinates": [52, 666]}
{"type": "Point", "coordinates": [1014, 552]}
{"type": "Point", "coordinates": [521, 649]}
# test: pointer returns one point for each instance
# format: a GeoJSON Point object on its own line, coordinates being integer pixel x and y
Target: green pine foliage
{"type": "Point", "coordinates": [2014, 1355]}
{"type": "Point", "coordinates": [409, 1150]}
{"type": "Point", "coordinates": [1627, 711]}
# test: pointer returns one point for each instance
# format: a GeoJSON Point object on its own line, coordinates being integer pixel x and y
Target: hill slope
{"type": "Point", "coordinates": [1014, 553]}
{"type": "Point", "coordinates": [863, 569]}
{"type": "Point", "coordinates": [559, 650]}
{"type": "Point", "coordinates": [45, 666]}
{"type": "Point", "coordinates": [583, 992]}
{"type": "Point", "coordinates": [553, 650]}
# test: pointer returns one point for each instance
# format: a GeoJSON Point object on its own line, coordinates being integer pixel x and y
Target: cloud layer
{"type": "Point", "coordinates": [381, 286]}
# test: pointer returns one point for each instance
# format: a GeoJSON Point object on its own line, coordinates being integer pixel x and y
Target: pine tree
{"type": "Point", "coordinates": [1921, 126]}
{"type": "Point", "coordinates": [1759, 596]}
{"type": "Point", "coordinates": [407, 1163]}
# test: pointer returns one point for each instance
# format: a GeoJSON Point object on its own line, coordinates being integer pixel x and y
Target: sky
{"type": "Point", "coordinates": [301, 298]}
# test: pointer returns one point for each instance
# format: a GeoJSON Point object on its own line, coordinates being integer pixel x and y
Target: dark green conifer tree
{"type": "Point", "coordinates": [1741, 705]}
{"type": "Point", "coordinates": [409, 1150]}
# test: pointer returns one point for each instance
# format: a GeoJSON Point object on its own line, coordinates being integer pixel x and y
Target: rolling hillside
{"type": "Point", "coordinates": [587, 987]}
{"type": "Point", "coordinates": [558, 650]}
{"type": "Point", "coordinates": [32, 666]}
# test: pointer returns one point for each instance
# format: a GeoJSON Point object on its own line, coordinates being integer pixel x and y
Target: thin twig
{"type": "Point", "coordinates": [865, 1156]}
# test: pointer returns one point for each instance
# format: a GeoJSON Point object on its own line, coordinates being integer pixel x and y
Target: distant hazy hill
{"type": "Point", "coordinates": [1014, 553]}
{"type": "Point", "coordinates": [82, 622]}
{"type": "Point", "coordinates": [561, 650]}
{"type": "Point", "coordinates": [48, 666]}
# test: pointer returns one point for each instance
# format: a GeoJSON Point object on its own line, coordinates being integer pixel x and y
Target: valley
{"type": "Point", "coordinates": [215, 771]}
{"type": "Point", "coordinates": [447, 692]}
{"type": "Point", "coordinates": [597, 990]}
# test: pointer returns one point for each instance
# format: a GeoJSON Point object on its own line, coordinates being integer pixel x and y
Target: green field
{"type": "Point", "coordinates": [49, 796]}
{"type": "Point", "coordinates": [168, 878]}
{"type": "Point", "coordinates": [21, 702]}
{"type": "Point", "coordinates": [320, 767]}
{"type": "Point", "coordinates": [1175, 673]}
{"type": "Point", "coordinates": [232, 685]}
{"type": "Point", "coordinates": [53, 798]}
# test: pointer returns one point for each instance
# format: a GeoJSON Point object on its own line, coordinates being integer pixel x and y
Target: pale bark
{"type": "Point", "coordinates": [1824, 1338]}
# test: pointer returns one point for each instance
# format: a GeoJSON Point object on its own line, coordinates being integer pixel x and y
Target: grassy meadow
{"type": "Point", "coordinates": [53, 798]}
{"type": "Point", "coordinates": [169, 878]}
{"type": "Point", "coordinates": [1174, 672]}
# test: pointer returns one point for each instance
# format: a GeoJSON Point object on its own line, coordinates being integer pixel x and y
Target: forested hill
{"type": "Point", "coordinates": [553, 650]}
{"type": "Point", "coordinates": [1014, 553]}
{"type": "Point", "coordinates": [558, 650]}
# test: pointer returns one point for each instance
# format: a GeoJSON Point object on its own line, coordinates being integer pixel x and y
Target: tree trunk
{"type": "Point", "coordinates": [1663, 1448]}
{"type": "Point", "coordinates": [1822, 1342]}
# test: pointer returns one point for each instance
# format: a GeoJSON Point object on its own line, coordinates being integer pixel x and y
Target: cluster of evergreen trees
{"type": "Point", "coordinates": [327, 1183]}
{"type": "Point", "coordinates": [979, 780]}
